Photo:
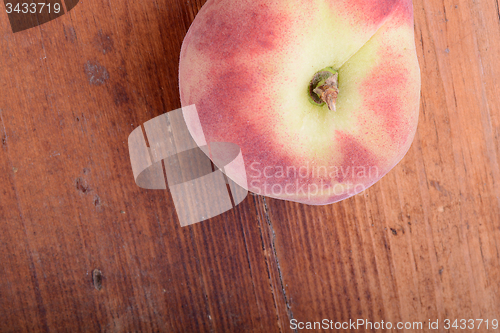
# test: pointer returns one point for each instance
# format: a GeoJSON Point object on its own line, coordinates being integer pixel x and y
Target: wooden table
{"type": "Point", "coordinates": [420, 245]}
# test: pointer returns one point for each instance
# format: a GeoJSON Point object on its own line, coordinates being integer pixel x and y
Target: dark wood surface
{"type": "Point", "coordinates": [422, 244]}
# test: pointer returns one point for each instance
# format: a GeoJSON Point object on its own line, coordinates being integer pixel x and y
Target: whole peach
{"type": "Point", "coordinates": [321, 96]}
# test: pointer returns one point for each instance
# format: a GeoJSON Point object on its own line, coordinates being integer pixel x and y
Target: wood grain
{"type": "Point", "coordinates": [422, 244]}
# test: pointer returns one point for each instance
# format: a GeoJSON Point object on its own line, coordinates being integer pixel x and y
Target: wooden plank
{"type": "Point", "coordinates": [73, 90]}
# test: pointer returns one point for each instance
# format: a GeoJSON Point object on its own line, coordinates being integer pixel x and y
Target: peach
{"type": "Point", "coordinates": [322, 97]}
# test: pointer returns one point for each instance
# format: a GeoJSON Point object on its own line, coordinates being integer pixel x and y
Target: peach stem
{"type": "Point", "coordinates": [324, 88]}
